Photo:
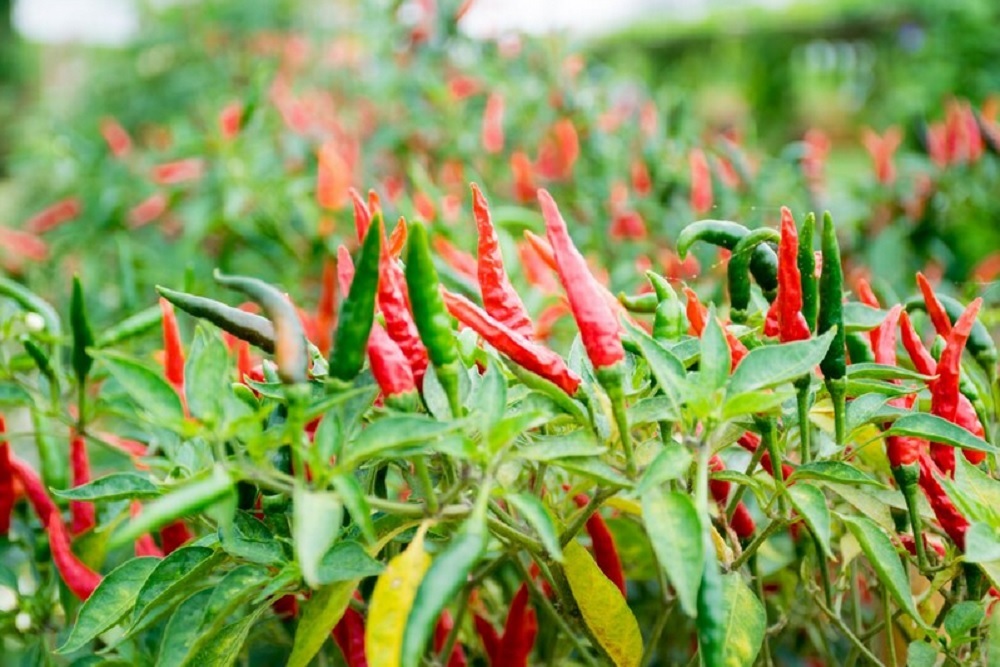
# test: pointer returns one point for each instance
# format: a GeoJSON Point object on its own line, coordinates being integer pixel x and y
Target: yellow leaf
{"type": "Point", "coordinates": [722, 550]}
{"type": "Point", "coordinates": [391, 602]}
{"type": "Point", "coordinates": [624, 505]}
{"type": "Point", "coordinates": [605, 611]}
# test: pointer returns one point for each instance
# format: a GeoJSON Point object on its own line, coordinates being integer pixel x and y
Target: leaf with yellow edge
{"type": "Point", "coordinates": [391, 602]}
{"type": "Point", "coordinates": [745, 622]}
{"type": "Point", "coordinates": [605, 611]}
{"type": "Point", "coordinates": [624, 505]}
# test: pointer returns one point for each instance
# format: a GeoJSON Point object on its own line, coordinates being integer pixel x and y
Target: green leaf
{"type": "Point", "coordinates": [962, 619]}
{"type": "Point", "coordinates": [653, 409]}
{"type": "Point", "coordinates": [834, 471]}
{"type": "Point", "coordinates": [859, 317]}
{"type": "Point", "coordinates": [936, 429]}
{"type": "Point", "coordinates": [675, 532]}
{"type": "Point", "coordinates": [394, 434]}
{"type": "Point", "coordinates": [319, 615]}
{"type": "Point", "coordinates": [921, 654]}
{"type": "Point", "coordinates": [665, 367]}
{"type": "Point", "coordinates": [207, 369]}
{"type": "Point", "coordinates": [716, 359]}
{"type": "Point", "coordinates": [884, 372]}
{"type": "Point", "coordinates": [512, 426]}
{"type": "Point", "coordinates": [982, 544]}
{"type": "Point", "coordinates": [596, 470]}
{"type": "Point", "coordinates": [671, 463]}
{"type": "Point", "coordinates": [83, 335]}
{"type": "Point", "coordinates": [745, 622]}
{"type": "Point", "coordinates": [538, 517]}
{"type": "Point", "coordinates": [885, 561]}
{"type": "Point", "coordinates": [179, 571]}
{"type": "Point", "coordinates": [491, 395]}
{"type": "Point", "coordinates": [769, 366]}
{"type": "Point", "coordinates": [353, 498]}
{"type": "Point", "coordinates": [755, 402]}
{"type": "Point", "coordinates": [556, 447]}
{"type": "Point", "coordinates": [251, 540]}
{"type": "Point", "coordinates": [149, 392]}
{"type": "Point", "coordinates": [863, 409]}
{"type": "Point", "coordinates": [976, 492]}
{"type": "Point", "coordinates": [189, 498]}
{"type": "Point", "coordinates": [810, 502]}
{"type": "Point", "coordinates": [110, 602]}
{"type": "Point", "coordinates": [315, 526]}
{"type": "Point", "coordinates": [225, 646]}
{"type": "Point", "coordinates": [116, 486]}
{"type": "Point", "coordinates": [347, 560]}
{"type": "Point", "coordinates": [183, 629]}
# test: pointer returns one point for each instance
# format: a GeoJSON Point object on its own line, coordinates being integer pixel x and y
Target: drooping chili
{"type": "Point", "coordinates": [83, 514]}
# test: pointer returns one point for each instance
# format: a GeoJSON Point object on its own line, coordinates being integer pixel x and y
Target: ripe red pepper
{"type": "Point", "coordinates": [441, 631]}
{"type": "Point", "coordinates": [326, 308]}
{"type": "Point", "coordinates": [7, 496]}
{"type": "Point", "coordinates": [935, 310]}
{"type": "Point", "coordinates": [603, 543]}
{"type": "Point", "coordinates": [83, 514]}
{"type": "Point", "coordinates": [54, 215]}
{"type": "Point", "coordinates": [175, 535]}
{"type": "Point", "coordinates": [362, 214]}
{"type": "Point", "coordinates": [394, 303]}
{"type": "Point", "coordinates": [701, 182]}
{"type": "Point", "coordinates": [144, 546]}
{"type": "Point", "coordinates": [792, 324]}
{"type": "Point", "coordinates": [492, 133]}
{"type": "Point", "coordinates": [79, 578]}
{"type": "Point", "coordinates": [525, 353]}
{"type": "Point", "coordinates": [519, 631]}
{"type": "Point", "coordinates": [397, 240]}
{"type": "Point", "coordinates": [952, 522]}
{"type": "Point", "coordinates": [34, 489]}
{"type": "Point", "coordinates": [462, 262]}
{"type": "Point", "coordinates": [116, 137]}
{"type": "Point", "coordinates": [349, 633]}
{"type": "Point", "coordinates": [230, 119]}
{"type": "Point", "coordinates": [173, 358]}
{"type": "Point", "coordinates": [499, 297]}
{"type": "Point", "coordinates": [742, 523]}
{"type": "Point", "coordinates": [599, 329]}
{"type": "Point", "coordinates": [389, 365]}
{"type": "Point", "coordinates": [490, 639]}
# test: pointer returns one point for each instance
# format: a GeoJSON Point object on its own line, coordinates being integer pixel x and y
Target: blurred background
{"type": "Point", "coordinates": [118, 159]}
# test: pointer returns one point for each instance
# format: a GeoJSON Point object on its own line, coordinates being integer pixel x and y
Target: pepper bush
{"type": "Point", "coordinates": [675, 488]}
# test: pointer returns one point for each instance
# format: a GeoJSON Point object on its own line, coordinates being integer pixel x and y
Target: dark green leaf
{"type": "Point", "coordinates": [250, 539]}
{"type": "Point", "coordinates": [769, 366]}
{"type": "Point", "coordinates": [347, 560]}
{"type": "Point", "coordinates": [809, 502]}
{"type": "Point", "coordinates": [834, 471]}
{"type": "Point", "coordinates": [116, 486]}
{"type": "Point", "coordinates": [149, 392]}
{"type": "Point", "coordinates": [934, 428]}
{"type": "Point", "coordinates": [537, 515]}
{"type": "Point", "coordinates": [675, 532]}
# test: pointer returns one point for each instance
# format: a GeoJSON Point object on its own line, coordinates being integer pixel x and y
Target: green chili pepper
{"type": "Point", "coordinates": [726, 234]}
{"type": "Point", "coordinates": [131, 327]}
{"type": "Point", "coordinates": [857, 347]}
{"type": "Point", "coordinates": [357, 313]}
{"type": "Point", "coordinates": [711, 623]}
{"type": "Point", "coordinates": [670, 322]}
{"type": "Point", "coordinates": [738, 271]}
{"type": "Point", "coordinates": [831, 314]}
{"type": "Point", "coordinates": [807, 271]}
{"type": "Point", "coordinates": [43, 362]}
{"type": "Point", "coordinates": [254, 329]}
{"type": "Point", "coordinates": [83, 335]}
{"type": "Point", "coordinates": [291, 354]}
{"type": "Point", "coordinates": [980, 345]}
{"type": "Point", "coordinates": [32, 302]}
{"type": "Point", "coordinates": [639, 303]}
{"type": "Point", "coordinates": [53, 457]}
{"type": "Point", "coordinates": [447, 575]}
{"type": "Point", "coordinates": [430, 315]}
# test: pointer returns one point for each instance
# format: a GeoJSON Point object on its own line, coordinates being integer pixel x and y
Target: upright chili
{"type": "Point", "coordinates": [807, 272]}
{"type": "Point", "coordinates": [357, 312]}
{"type": "Point", "coordinates": [83, 514]}
{"type": "Point", "coordinates": [831, 315]}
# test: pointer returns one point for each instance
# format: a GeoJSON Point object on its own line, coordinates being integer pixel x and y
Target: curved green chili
{"type": "Point", "coordinates": [831, 314]}
{"type": "Point", "coordinates": [136, 325]}
{"type": "Point", "coordinates": [83, 335]}
{"type": "Point", "coordinates": [669, 322]}
{"type": "Point", "coordinates": [738, 271]}
{"type": "Point", "coordinates": [430, 315]}
{"type": "Point", "coordinates": [726, 234]}
{"type": "Point", "coordinates": [291, 353]}
{"type": "Point", "coordinates": [639, 303]}
{"type": "Point", "coordinates": [357, 312]}
{"type": "Point", "coordinates": [254, 329]}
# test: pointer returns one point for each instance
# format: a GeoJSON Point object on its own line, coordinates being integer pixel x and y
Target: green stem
{"type": "Point", "coordinates": [770, 441]}
{"type": "Point", "coordinates": [889, 627]}
{"type": "Point", "coordinates": [581, 518]}
{"type": "Point", "coordinates": [838, 397]}
{"type": "Point", "coordinates": [802, 394]}
{"type": "Point", "coordinates": [741, 488]}
{"type": "Point", "coordinates": [448, 377]}
{"type": "Point", "coordinates": [426, 483]}
{"type": "Point", "coordinates": [751, 549]}
{"type": "Point", "coordinates": [759, 583]}
{"type": "Point", "coordinates": [824, 572]}
{"type": "Point", "coordinates": [839, 622]}
{"type": "Point", "coordinates": [449, 643]}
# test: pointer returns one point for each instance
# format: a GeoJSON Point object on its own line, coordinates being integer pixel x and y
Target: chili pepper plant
{"type": "Point", "coordinates": [402, 474]}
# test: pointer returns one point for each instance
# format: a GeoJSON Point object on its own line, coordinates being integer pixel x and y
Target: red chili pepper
{"type": "Point", "coordinates": [349, 633]}
{"type": "Point", "coordinates": [697, 314]}
{"type": "Point", "coordinates": [936, 312]}
{"type": "Point", "coordinates": [492, 133]}
{"type": "Point", "coordinates": [462, 262]}
{"type": "Point", "coordinates": [144, 546]}
{"type": "Point", "coordinates": [441, 631]}
{"type": "Point", "coordinates": [7, 495]}
{"type": "Point", "coordinates": [397, 240]}
{"type": "Point", "coordinates": [148, 210]}
{"type": "Point", "coordinates": [881, 149]}
{"type": "Point", "coordinates": [34, 489]}
{"type": "Point", "coordinates": [603, 542]}
{"type": "Point", "coordinates": [931, 541]}
{"type": "Point", "coordinates": [333, 177]}
{"type": "Point", "coordinates": [742, 523]}
{"type": "Point", "coordinates": [527, 354]}
{"type": "Point", "coordinates": [548, 317]}
{"type": "Point", "coordinates": [362, 214]}
{"type": "Point", "coordinates": [79, 578]}
{"type": "Point", "coordinates": [326, 308]}
{"type": "Point", "coordinates": [394, 303]}
{"type": "Point", "coordinates": [53, 216]}
{"type": "Point", "coordinates": [117, 138]}
{"type": "Point", "coordinates": [83, 514]}
{"type": "Point", "coordinates": [536, 271]}
{"type": "Point", "coordinates": [641, 181]}
{"type": "Point", "coordinates": [490, 638]}
{"type": "Point", "coordinates": [519, 632]}
{"type": "Point", "coordinates": [500, 299]}
{"type": "Point", "coordinates": [173, 348]}
{"type": "Point", "coordinates": [179, 171]}
{"type": "Point", "coordinates": [952, 522]}
{"type": "Point", "coordinates": [230, 119]}
{"type": "Point", "coordinates": [701, 182]}
{"type": "Point", "coordinates": [884, 338]}
{"type": "Point", "coordinates": [174, 535]}
{"type": "Point", "coordinates": [524, 177]}
{"type": "Point", "coordinates": [599, 329]}
{"type": "Point", "coordinates": [792, 325]}
{"type": "Point", "coordinates": [389, 365]}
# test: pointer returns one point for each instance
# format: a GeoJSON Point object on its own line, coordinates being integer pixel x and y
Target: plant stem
{"type": "Point", "coordinates": [426, 483]}
{"type": "Point", "coordinates": [889, 627]}
{"type": "Point", "coordinates": [741, 488]}
{"type": "Point", "coordinates": [581, 518]}
{"type": "Point", "coordinates": [759, 583]}
{"type": "Point", "coordinates": [751, 549]}
{"type": "Point", "coordinates": [837, 621]}
{"type": "Point", "coordinates": [449, 643]}
{"type": "Point", "coordinates": [802, 396]}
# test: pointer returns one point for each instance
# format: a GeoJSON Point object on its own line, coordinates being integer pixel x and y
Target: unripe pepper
{"type": "Point", "coordinates": [525, 353]}
{"type": "Point", "coordinates": [290, 354]}
{"type": "Point", "coordinates": [669, 320]}
{"type": "Point", "coordinates": [831, 314]}
{"type": "Point", "coordinates": [738, 270]}
{"type": "Point", "coordinates": [357, 312]}
{"type": "Point", "coordinates": [807, 272]}
{"type": "Point", "coordinates": [254, 329]}
{"type": "Point", "coordinates": [500, 299]}
{"type": "Point", "coordinates": [726, 234]}
{"type": "Point", "coordinates": [430, 315]}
